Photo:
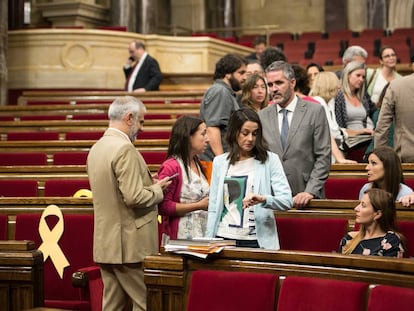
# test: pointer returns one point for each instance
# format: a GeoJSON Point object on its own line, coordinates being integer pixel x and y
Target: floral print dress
{"type": "Point", "coordinates": [389, 245]}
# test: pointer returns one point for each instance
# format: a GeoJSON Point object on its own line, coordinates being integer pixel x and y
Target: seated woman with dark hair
{"type": "Point", "coordinates": [378, 234]}
{"type": "Point", "coordinates": [385, 172]}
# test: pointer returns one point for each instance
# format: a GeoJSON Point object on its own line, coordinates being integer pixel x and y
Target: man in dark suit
{"type": "Point", "coordinates": [298, 132]}
{"type": "Point", "coordinates": [142, 72]}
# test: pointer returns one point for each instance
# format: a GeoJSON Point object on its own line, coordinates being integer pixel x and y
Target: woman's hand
{"type": "Point", "coordinates": [407, 200]}
{"type": "Point", "coordinates": [345, 161]}
{"type": "Point", "coordinates": [203, 204]}
{"type": "Point", "coordinates": [253, 199]}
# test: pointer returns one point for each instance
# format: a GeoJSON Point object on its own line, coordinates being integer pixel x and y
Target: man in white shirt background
{"type": "Point", "coordinates": [142, 71]}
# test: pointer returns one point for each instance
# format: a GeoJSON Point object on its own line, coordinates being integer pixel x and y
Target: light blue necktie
{"type": "Point", "coordinates": [285, 128]}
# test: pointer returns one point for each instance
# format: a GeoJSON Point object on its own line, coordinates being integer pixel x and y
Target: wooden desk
{"type": "Point", "coordinates": [21, 275]}
{"type": "Point", "coordinates": [168, 276]}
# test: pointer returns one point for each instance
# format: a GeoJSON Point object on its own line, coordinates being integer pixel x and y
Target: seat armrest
{"type": "Point", "coordinates": [89, 281]}
{"type": "Point", "coordinates": [82, 277]}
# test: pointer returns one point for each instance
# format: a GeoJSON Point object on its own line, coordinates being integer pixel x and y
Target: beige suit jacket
{"type": "Point", "coordinates": [124, 199]}
{"type": "Point", "coordinates": [398, 105]}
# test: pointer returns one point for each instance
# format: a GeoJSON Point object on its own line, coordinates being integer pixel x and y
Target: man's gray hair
{"type": "Point", "coordinates": [123, 105]}
{"type": "Point", "coordinates": [281, 65]}
{"type": "Point", "coordinates": [352, 51]}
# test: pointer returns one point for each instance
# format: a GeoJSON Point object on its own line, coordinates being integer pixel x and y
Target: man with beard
{"type": "Point", "coordinates": [220, 101]}
{"type": "Point", "coordinates": [298, 132]}
{"type": "Point", "coordinates": [125, 202]}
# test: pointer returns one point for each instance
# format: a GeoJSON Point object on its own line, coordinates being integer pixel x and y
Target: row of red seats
{"type": "Point", "coordinates": [109, 101]}
{"type": "Point", "coordinates": [66, 158]}
{"type": "Point", "coordinates": [235, 291]}
{"type": "Point", "coordinates": [90, 116]}
{"type": "Point", "coordinates": [59, 293]}
{"type": "Point", "coordinates": [283, 37]}
{"type": "Point", "coordinates": [78, 135]}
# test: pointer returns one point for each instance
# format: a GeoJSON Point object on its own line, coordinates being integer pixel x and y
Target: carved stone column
{"type": "Point", "coordinates": [221, 14]}
{"type": "Point", "coordinates": [335, 15]}
{"type": "Point", "coordinates": [401, 14]}
{"type": "Point", "coordinates": [143, 16]}
{"type": "Point", "coordinates": [3, 52]}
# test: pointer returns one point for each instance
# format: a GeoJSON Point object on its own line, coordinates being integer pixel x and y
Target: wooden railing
{"type": "Point", "coordinates": [344, 209]}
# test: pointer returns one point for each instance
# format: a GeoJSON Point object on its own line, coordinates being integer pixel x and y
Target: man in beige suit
{"type": "Point", "coordinates": [125, 200]}
{"type": "Point", "coordinates": [398, 107]}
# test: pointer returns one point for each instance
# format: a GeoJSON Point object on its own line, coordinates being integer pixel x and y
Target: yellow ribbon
{"type": "Point", "coordinates": [50, 238]}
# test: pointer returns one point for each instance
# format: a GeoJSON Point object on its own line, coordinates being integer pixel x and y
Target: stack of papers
{"type": "Point", "coordinates": [198, 247]}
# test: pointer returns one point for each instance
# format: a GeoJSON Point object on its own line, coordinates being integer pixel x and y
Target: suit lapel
{"type": "Point", "coordinates": [298, 115]}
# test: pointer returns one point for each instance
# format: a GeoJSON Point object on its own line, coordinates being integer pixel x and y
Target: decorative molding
{"type": "Point", "coordinates": [78, 13]}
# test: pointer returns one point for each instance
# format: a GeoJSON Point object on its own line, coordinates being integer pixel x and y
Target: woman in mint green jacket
{"type": "Point", "coordinates": [247, 184]}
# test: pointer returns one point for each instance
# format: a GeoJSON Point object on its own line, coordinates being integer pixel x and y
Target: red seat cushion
{"type": "Point", "coordinates": [344, 188]}
{"type": "Point", "coordinates": [33, 136]}
{"type": "Point", "coordinates": [70, 158]}
{"type": "Point", "coordinates": [154, 157]}
{"type": "Point", "coordinates": [309, 234]}
{"type": "Point", "coordinates": [65, 188]}
{"type": "Point", "coordinates": [23, 158]}
{"type": "Point", "coordinates": [3, 227]}
{"type": "Point", "coordinates": [84, 135]}
{"type": "Point", "coordinates": [314, 294]}
{"type": "Point", "coordinates": [18, 188]}
{"type": "Point", "coordinates": [231, 291]}
{"type": "Point", "coordinates": [386, 298]}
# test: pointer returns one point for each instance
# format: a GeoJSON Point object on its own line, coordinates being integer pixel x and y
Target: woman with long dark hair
{"type": "Point", "coordinates": [184, 207]}
{"type": "Point", "coordinates": [377, 234]}
{"type": "Point", "coordinates": [248, 183]}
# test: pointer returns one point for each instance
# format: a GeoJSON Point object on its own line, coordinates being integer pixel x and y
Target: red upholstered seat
{"type": "Point", "coordinates": [409, 182]}
{"type": "Point", "coordinates": [33, 136]}
{"type": "Point", "coordinates": [23, 158]}
{"type": "Point", "coordinates": [65, 188]}
{"type": "Point", "coordinates": [18, 188]}
{"type": "Point", "coordinates": [43, 118]}
{"type": "Point", "coordinates": [314, 294]}
{"type": "Point", "coordinates": [76, 244]}
{"type": "Point", "coordinates": [231, 291]}
{"type": "Point", "coordinates": [344, 188]}
{"type": "Point", "coordinates": [87, 135]}
{"type": "Point", "coordinates": [70, 158]}
{"type": "Point", "coordinates": [6, 118]}
{"type": "Point", "coordinates": [154, 157]}
{"type": "Point", "coordinates": [406, 227]}
{"type": "Point", "coordinates": [386, 298]}
{"type": "Point", "coordinates": [311, 234]}
{"type": "Point", "coordinates": [90, 116]}
{"type": "Point", "coordinates": [3, 227]}
{"type": "Point", "coordinates": [154, 135]}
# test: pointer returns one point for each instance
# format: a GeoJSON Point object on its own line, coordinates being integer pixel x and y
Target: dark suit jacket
{"type": "Point", "coordinates": [149, 75]}
{"type": "Point", "coordinates": [307, 156]}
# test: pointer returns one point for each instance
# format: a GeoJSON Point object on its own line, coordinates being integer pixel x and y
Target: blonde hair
{"type": "Point", "coordinates": [325, 85]}
{"type": "Point", "coordinates": [346, 88]}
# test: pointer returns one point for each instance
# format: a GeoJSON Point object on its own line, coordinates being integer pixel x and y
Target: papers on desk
{"type": "Point", "coordinates": [198, 247]}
